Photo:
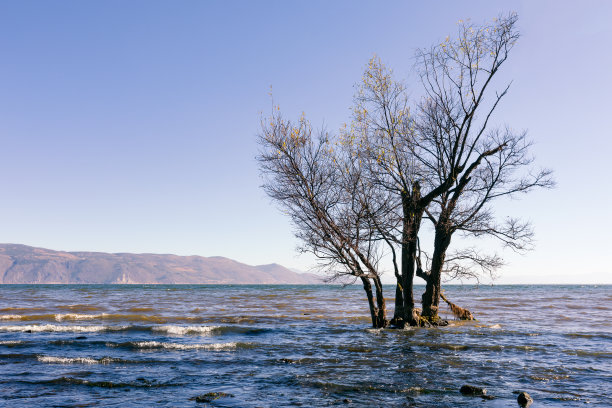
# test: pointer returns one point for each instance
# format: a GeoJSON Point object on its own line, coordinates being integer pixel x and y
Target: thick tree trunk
{"type": "Point", "coordinates": [398, 313]}
{"type": "Point", "coordinates": [374, 312]}
{"type": "Point", "coordinates": [412, 223]}
{"type": "Point", "coordinates": [409, 250]}
{"type": "Point", "coordinates": [407, 281]}
{"type": "Point", "coordinates": [431, 297]}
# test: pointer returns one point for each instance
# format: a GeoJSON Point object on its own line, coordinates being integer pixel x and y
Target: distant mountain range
{"type": "Point", "coordinates": [25, 264]}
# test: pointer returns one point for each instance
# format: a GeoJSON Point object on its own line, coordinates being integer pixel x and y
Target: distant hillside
{"type": "Point", "coordinates": [24, 264]}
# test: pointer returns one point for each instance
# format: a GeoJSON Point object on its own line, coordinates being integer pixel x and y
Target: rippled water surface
{"type": "Point", "coordinates": [276, 346]}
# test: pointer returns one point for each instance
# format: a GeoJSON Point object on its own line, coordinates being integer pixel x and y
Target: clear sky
{"type": "Point", "coordinates": [131, 126]}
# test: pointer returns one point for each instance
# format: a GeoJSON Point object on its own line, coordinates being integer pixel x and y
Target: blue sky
{"type": "Point", "coordinates": [131, 126]}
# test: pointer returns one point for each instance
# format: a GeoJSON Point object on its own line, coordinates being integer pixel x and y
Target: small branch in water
{"type": "Point", "coordinates": [459, 312]}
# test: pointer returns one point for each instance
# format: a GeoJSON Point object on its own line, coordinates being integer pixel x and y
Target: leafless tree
{"type": "Point", "coordinates": [455, 137]}
{"type": "Point", "coordinates": [318, 184]}
{"type": "Point", "coordinates": [386, 135]}
{"type": "Point", "coordinates": [364, 192]}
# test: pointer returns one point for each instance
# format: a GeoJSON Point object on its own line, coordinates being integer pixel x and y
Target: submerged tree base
{"type": "Point", "coordinates": [432, 321]}
{"type": "Point", "coordinates": [418, 320]}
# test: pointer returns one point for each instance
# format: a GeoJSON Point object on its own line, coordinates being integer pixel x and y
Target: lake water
{"type": "Point", "coordinates": [311, 346]}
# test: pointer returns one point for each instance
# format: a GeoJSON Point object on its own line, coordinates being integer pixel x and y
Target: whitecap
{"type": "Point", "coordinates": [179, 346]}
{"type": "Point", "coordinates": [10, 317]}
{"type": "Point", "coordinates": [75, 316]}
{"type": "Point", "coordinates": [59, 328]}
{"type": "Point", "coordinates": [67, 360]}
{"type": "Point", "coordinates": [186, 329]}
{"type": "Point", "coordinates": [74, 360]}
{"type": "Point", "coordinates": [11, 342]}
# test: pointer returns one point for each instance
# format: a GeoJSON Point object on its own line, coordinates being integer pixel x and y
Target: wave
{"type": "Point", "coordinates": [37, 328]}
{"type": "Point", "coordinates": [605, 336]}
{"type": "Point", "coordinates": [587, 353]}
{"type": "Point", "coordinates": [156, 345]}
{"type": "Point", "coordinates": [11, 342]}
{"type": "Point", "coordinates": [75, 316]}
{"type": "Point", "coordinates": [74, 360]}
{"type": "Point", "coordinates": [10, 317]}
{"type": "Point", "coordinates": [141, 309]}
{"type": "Point", "coordinates": [20, 309]}
{"type": "Point", "coordinates": [79, 307]}
{"type": "Point", "coordinates": [180, 330]}
{"type": "Point", "coordinates": [139, 383]}
{"type": "Point", "coordinates": [60, 317]}
{"type": "Point", "coordinates": [50, 316]}
{"type": "Point", "coordinates": [169, 329]}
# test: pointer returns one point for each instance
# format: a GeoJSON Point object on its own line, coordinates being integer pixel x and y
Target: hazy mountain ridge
{"type": "Point", "coordinates": [25, 264]}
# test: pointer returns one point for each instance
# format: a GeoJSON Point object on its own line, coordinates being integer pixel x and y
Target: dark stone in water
{"type": "Point", "coordinates": [211, 396]}
{"type": "Point", "coordinates": [524, 399]}
{"type": "Point", "coordinates": [347, 401]}
{"type": "Point", "coordinates": [472, 390]}
{"type": "Point", "coordinates": [81, 337]}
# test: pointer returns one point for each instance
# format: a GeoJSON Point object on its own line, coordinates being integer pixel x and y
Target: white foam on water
{"type": "Point", "coordinates": [178, 346]}
{"type": "Point", "coordinates": [73, 360]}
{"type": "Point", "coordinates": [59, 328]}
{"type": "Point", "coordinates": [186, 329]}
{"type": "Point", "coordinates": [10, 317]}
{"type": "Point", "coordinates": [11, 342]}
{"type": "Point", "coordinates": [75, 316]}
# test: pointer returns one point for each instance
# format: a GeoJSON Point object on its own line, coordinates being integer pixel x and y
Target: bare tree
{"type": "Point", "coordinates": [383, 132]}
{"type": "Point", "coordinates": [319, 186]}
{"type": "Point", "coordinates": [387, 137]}
{"type": "Point", "coordinates": [455, 138]}
{"type": "Point", "coordinates": [365, 192]}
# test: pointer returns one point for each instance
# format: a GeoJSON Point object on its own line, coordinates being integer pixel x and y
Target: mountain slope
{"type": "Point", "coordinates": [24, 264]}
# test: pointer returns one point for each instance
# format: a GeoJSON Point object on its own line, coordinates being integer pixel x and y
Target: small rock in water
{"type": "Point", "coordinates": [81, 337]}
{"type": "Point", "coordinates": [211, 396]}
{"type": "Point", "coordinates": [524, 399]}
{"type": "Point", "coordinates": [471, 390]}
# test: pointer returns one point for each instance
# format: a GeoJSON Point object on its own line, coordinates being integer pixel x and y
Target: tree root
{"type": "Point", "coordinates": [418, 320]}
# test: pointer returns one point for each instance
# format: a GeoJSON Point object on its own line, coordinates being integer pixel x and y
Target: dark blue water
{"type": "Point", "coordinates": [278, 346]}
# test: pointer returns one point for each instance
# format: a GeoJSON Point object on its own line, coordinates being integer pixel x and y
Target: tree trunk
{"type": "Point", "coordinates": [381, 317]}
{"type": "Point", "coordinates": [367, 286]}
{"type": "Point", "coordinates": [398, 313]}
{"type": "Point", "coordinates": [411, 225]}
{"type": "Point", "coordinates": [431, 297]}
